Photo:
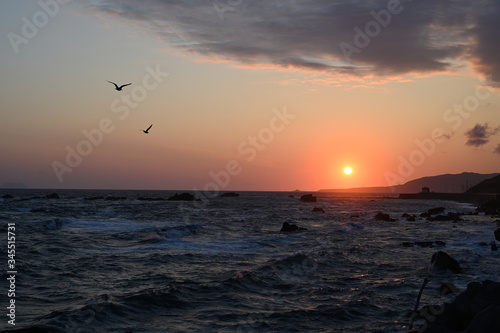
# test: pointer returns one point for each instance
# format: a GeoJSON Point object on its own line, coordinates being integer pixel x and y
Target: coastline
{"type": "Point", "coordinates": [473, 198]}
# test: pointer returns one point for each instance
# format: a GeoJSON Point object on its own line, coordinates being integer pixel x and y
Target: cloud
{"type": "Point", "coordinates": [480, 135]}
{"type": "Point", "coordinates": [445, 136]}
{"type": "Point", "coordinates": [424, 36]}
{"type": "Point", "coordinates": [486, 49]}
{"type": "Point", "coordinates": [497, 149]}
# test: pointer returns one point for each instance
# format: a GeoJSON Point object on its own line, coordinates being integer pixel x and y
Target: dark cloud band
{"type": "Point", "coordinates": [358, 37]}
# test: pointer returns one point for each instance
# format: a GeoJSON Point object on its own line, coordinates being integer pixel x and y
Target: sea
{"type": "Point", "coordinates": [130, 261]}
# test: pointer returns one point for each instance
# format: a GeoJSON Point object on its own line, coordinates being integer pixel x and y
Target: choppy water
{"type": "Point", "coordinates": [222, 265]}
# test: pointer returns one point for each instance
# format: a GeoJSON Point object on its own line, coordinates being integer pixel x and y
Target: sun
{"type": "Point", "coordinates": [347, 170]}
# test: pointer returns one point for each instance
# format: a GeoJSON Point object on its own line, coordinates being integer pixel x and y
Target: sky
{"type": "Point", "coordinates": [247, 95]}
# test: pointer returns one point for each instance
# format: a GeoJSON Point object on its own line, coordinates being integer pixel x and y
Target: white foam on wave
{"type": "Point", "coordinates": [346, 230]}
{"type": "Point", "coordinates": [352, 226]}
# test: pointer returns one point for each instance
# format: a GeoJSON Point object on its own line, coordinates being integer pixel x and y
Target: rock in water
{"type": "Point", "coordinates": [384, 217]}
{"type": "Point", "coordinates": [308, 198]}
{"type": "Point", "coordinates": [441, 261]}
{"type": "Point", "coordinates": [434, 211]}
{"type": "Point", "coordinates": [448, 288]}
{"type": "Point", "coordinates": [229, 195]}
{"type": "Point", "coordinates": [100, 197]}
{"type": "Point", "coordinates": [290, 227]}
{"type": "Point", "coordinates": [475, 310]}
{"type": "Point", "coordinates": [182, 197]}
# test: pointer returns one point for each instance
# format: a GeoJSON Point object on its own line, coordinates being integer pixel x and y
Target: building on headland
{"type": "Point", "coordinates": [436, 196]}
{"type": "Point", "coordinates": [487, 190]}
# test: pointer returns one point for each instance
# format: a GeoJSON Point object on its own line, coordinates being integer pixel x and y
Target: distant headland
{"type": "Point", "coordinates": [480, 189]}
{"type": "Point", "coordinates": [446, 183]}
{"type": "Point", "coordinates": [13, 185]}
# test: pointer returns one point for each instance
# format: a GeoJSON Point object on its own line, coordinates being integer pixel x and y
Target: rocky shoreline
{"type": "Point", "coordinates": [475, 310]}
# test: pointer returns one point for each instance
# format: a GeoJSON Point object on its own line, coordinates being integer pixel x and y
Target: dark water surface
{"type": "Point", "coordinates": [222, 265]}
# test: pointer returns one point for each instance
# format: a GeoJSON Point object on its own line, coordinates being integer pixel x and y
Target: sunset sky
{"type": "Point", "coordinates": [247, 95]}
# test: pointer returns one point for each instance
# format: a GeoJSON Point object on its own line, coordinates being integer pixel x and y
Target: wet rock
{"type": "Point", "coordinates": [448, 288]}
{"type": "Point", "coordinates": [308, 198]}
{"type": "Point", "coordinates": [409, 217]}
{"type": "Point", "coordinates": [318, 209]}
{"type": "Point", "coordinates": [425, 244]}
{"type": "Point", "coordinates": [183, 197]}
{"type": "Point", "coordinates": [490, 207]}
{"type": "Point", "coordinates": [494, 247]}
{"type": "Point", "coordinates": [475, 310]}
{"type": "Point", "coordinates": [384, 217]}
{"type": "Point", "coordinates": [7, 196]}
{"type": "Point", "coordinates": [290, 227]}
{"type": "Point", "coordinates": [434, 211]}
{"type": "Point", "coordinates": [442, 261]}
{"type": "Point", "coordinates": [448, 217]}
{"type": "Point", "coordinates": [150, 199]}
{"type": "Point", "coordinates": [52, 196]}
{"type": "Point", "coordinates": [497, 234]}
{"type": "Point", "coordinates": [100, 197]}
{"type": "Point", "coordinates": [229, 195]}
{"type": "Point", "coordinates": [486, 321]}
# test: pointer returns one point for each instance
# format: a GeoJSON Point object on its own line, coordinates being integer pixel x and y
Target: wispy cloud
{"type": "Point", "coordinates": [497, 149]}
{"type": "Point", "coordinates": [480, 135]}
{"type": "Point", "coordinates": [425, 36]}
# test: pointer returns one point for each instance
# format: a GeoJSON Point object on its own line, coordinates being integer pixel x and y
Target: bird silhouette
{"type": "Point", "coordinates": [147, 130]}
{"type": "Point", "coordinates": [119, 88]}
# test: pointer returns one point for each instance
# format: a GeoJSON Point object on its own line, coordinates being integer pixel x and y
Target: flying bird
{"type": "Point", "coordinates": [147, 130]}
{"type": "Point", "coordinates": [119, 88]}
